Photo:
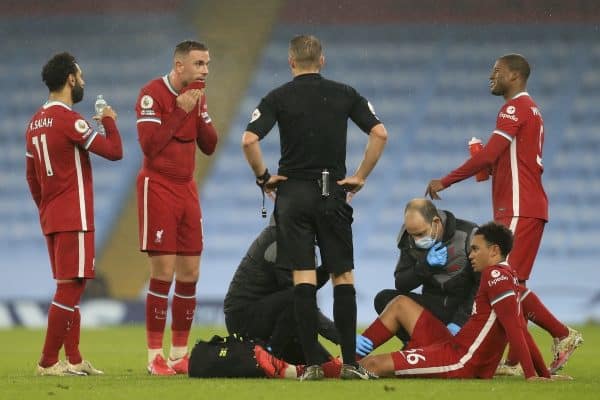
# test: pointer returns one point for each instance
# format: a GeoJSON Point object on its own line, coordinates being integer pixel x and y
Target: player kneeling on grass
{"type": "Point", "coordinates": [477, 348]}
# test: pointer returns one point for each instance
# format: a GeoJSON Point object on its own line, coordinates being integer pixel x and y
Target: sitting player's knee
{"type": "Point", "coordinates": [399, 303]}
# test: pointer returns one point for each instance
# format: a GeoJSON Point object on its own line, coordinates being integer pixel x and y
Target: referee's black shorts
{"type": "Point", "coordinates": [303, 215]}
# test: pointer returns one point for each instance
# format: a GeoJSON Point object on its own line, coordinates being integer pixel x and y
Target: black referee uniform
{"type": "Point", "coordinates": [312, 114]}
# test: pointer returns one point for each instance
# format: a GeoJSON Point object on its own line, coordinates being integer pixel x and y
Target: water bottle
{"type": "Point", "coordinates": [99, 106]}
{"type": "Point", "coordinates": [475, 147]}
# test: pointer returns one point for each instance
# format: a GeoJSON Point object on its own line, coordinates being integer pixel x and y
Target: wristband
{"type": "Point", "coordinates": [262, 180]}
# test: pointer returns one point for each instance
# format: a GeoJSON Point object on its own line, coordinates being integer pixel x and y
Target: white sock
{"type": "Point", "coordinates": [152, 353]}
{"type": "Point", "coordinates": [178, 352]}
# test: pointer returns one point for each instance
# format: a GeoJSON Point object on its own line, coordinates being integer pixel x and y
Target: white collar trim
{"type": "Point", "coordinates": [520, 94]}
{"type": "Point", "coordinates": [52, 103]}
{"type": "Point", "coordinates": [168, 84]}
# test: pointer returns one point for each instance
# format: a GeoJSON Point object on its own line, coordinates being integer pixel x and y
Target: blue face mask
{"type": "Point", "coordinates": [426, 241]}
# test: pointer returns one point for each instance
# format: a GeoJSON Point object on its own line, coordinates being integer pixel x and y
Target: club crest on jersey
{"type": "Point", "coordinates": [146, 102]}
{"type": "Point", "coordinates": [510, 110]}
{"type": "Point", "coordinates": [495, 273]}
{"type": "Point", "coordinates": [255, 115]}
{"type": "Point", "coordinates": [159, 235]}
{"type": "Point", "coordinates": [81, 126]}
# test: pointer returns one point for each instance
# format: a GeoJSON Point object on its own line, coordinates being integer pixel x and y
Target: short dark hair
{"type": "Point", "coordinates": [425, 207]}
{"type": "Point", "coordinates": [306, 50]}
{"type": "Point", "coordinates": [57, 70]}
{"type": "Point", "coordinates": [517, 63]}
{"type": "Point", "coordinates": [495, 233]}
{"type": "Point", "coordinates": [186, 46]}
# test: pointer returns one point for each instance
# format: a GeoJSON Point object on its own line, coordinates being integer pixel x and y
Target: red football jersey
{"type": "Point", "coordinates": [59, 172]}
{"type": "Point", "coordinates": [514, 152]}
{"type": "Point", "coordinates": [517, 174]}
{"type": "Point", "coordinates": [167, 134]}
{"type": "Point", "coordinates": [483, 335]}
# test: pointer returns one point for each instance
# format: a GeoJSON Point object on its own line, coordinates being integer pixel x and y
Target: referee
{"type": "Point", "coordinates": [311, 204]}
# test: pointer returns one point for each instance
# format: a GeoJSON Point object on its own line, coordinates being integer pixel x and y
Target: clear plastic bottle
{"type": "Point", "coordinates": [99, 106]}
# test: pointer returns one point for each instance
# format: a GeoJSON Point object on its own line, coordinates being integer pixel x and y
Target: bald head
{"type": "Point", "coordinates": [421, 218]}
{"type": "Point", "coordinates": [422, 206]}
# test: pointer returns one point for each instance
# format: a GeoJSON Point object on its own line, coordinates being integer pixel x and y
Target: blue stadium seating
{"type": "Point", "coordinates": [118, 54]}
{"type": "Point", "coordinates": [427, 83]}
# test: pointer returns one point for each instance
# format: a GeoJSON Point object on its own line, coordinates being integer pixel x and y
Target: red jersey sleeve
{"type": "Point", "coordinates": [32, 179]}
{"type": "Point", "coordinates": [207, 134]}
{"type": "Point", "coordinates": [154, 133]}
{"type": "Point", "coordinates": [482, 159]}
{"type": "Point", "coordinates": [510, 119]}
{"type": "Point", "coordinates": [77, 130]}
{"type": "Point", "coordinates": [502, 296]}
{"type": "Point", "coordinates": [108, 146]}
{"type": "Point", "coordinates": [80, 133]}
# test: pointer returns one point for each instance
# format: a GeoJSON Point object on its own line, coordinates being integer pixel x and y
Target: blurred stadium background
{"type": "Point", "coordinates": [423, 65]}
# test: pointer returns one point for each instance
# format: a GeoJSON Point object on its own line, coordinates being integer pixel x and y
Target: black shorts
{"type": "Point", "coordinates": [258, 320]}
{"type": "Point", "coordinates": [303, 216]}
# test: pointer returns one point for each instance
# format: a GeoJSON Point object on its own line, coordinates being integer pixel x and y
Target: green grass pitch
{"type": "Point", "coordinates": [120, 352]}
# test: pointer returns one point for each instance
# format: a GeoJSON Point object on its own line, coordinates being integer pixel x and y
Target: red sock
{"type": "Point", "coordinates": [184, 306]}
{"type": "Point", "coordinates": [72, 339]}
{"type": "Point", "coordinates": [60, 318]}
{"type": "Point", "coordinates": [156, 312]}
{"type": "Point", "coordinates": [378, 333]}
{"type": "Point", "coordinates": [74, 333]}
{"type": "Point", "coordinates": [535, 311]}
{"type": "Point", "coordinates": [332, 368]}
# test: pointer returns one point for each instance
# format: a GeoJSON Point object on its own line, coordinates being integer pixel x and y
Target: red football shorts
{"type": "Point", "coordinates": [436, 355]}
{"type": "Point", "coordinates": [71, 254]}
{"type": "Point", "coordinates": [169, 216]}
{"type": "Point", "coordinates": [527, 234]}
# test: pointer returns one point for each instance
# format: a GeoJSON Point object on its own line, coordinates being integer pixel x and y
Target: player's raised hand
{"type": "Point", "coordinates": [107, 112]}
{"type": "Point", "coordinates": [434, 186]}
{"type": "Point", "coordinates": [188, 100]}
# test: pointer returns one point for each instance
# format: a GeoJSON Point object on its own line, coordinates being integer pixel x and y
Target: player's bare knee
{"type": "Point", "coordinates": [398, 304]}
{"type": "Point", "coordinates": [188, 276]}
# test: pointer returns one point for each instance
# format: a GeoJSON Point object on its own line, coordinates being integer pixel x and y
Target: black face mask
{"type": "Point", "coordinates": [77, 93]}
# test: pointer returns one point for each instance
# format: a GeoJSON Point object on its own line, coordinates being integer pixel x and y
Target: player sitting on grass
{"type": "Point", "coordinates": [477, 349]}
